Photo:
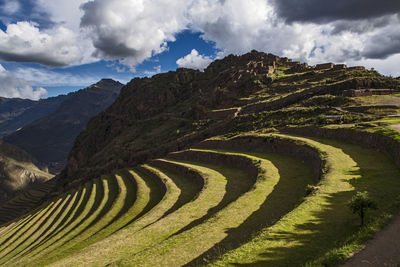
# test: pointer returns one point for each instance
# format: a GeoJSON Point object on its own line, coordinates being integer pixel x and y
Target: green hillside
{"type": "Point", "coordinates": [252, 162]}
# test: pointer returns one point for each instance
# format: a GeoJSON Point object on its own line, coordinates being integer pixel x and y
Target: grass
{"type": "Point", "coordinates": [15, 233]}
{"type": "Point", "coordinates": [61, 219]}
{"type": "Point", "coordinates": [133, 198]}
{"type": "Point", "coordinates": [89, 219]}
{"type": "Point", "coordinates": [36, 231]}
{"type": "Point", "coordinates": [86, 202]}
{"type": "Point", "coordinates": [28, 230]}
{"type": "Point", "coordinates": [238, 183]}
{"type": "Point", "coordinates": [133, 242]}
{"type": "Point", "coordinates": [287, 194]}
{"type": "Point", "coordinates": [322, 223]}
{"type": "Point", "coordinates": [182, 248]}
{"type": "Point", "coordinates": [154, 215]}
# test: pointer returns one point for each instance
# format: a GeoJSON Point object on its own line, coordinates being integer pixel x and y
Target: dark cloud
{"type": "Point", "coordinates": [361, 26]}
{"type": "Point", "coordinates": [383, 46]}
{"type": "Point", "coordinates": [319, 11]}
{"type": "Point", "coordinates": [41, 58]}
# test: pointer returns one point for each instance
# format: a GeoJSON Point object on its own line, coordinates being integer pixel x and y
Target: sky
{"type": "Point", "coordinates": [52, 47]}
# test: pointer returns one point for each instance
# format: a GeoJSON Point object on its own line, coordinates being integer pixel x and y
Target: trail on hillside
{"type": "Point", "coordinates": [382, 250]}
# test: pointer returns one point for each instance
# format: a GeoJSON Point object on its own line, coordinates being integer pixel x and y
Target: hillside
{"type": "Point", "coordinates": [18, 171]}
{"type": "Point", "coordinates": [152, 117]}
{"type": "Point", "coordinates": [16, 113]}
{"type": "Point", "coordinates": [252, 162]}
{"type": "Point", "coordinates": [51, 137]}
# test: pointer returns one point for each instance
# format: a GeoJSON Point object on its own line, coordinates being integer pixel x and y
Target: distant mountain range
{"type": "Point", "coordinates": [15, 113]}
{"type": "Point", "coordinates": [47, 128]}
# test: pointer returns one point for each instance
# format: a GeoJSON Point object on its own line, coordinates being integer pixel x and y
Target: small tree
{"type": "Point", "coordinates": [360, 204]}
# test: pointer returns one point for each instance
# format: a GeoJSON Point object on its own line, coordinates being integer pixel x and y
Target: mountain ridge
{"type": "Point", "coordinates": [49, 138]}
{"type": "Point", "coordinates": [153, 112]}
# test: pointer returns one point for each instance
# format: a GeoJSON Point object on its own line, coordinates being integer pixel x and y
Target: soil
{"type": "Point", "coordinates": [396, 127]}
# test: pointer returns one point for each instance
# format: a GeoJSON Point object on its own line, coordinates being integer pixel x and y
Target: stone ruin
{"type": "Point", "coordinates": [368, 92]}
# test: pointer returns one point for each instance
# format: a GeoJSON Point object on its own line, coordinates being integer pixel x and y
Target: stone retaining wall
{"type": "Point", "coordinates": [184, 171]}
{"type": "Point", "coordinates": [376, 141]}
{"type": "Point", "coordinates": [273, 144]}
{"type": "Point", "coordinates": [216, 158]}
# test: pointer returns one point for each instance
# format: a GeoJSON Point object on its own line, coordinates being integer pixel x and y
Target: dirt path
{"type": "Point", "coordinates": [383, 250]}
{"type": "Point", "coordinates": [396, 127]}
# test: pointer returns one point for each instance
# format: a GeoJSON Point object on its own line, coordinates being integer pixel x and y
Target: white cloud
{"type": "Point", "coordinates": [11, 86]}
{"type": "Point", "coordinates": [194, 61]}
{"type": "Point", "coordinates": [133, 30]}
{"type": "Point", "coordinates": [24, 42]}
{"type": "Point", "coordinates": [239, 26]}
{"type": "Point", "coordinates": [43, 77]}
{"type": "Point", "coordinates": [156, 70]}
{"type": "Point", "coordinates": [11, 6]}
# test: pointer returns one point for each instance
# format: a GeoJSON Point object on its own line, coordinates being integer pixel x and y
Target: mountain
{"type": "Point", "coordinates": [50, 138]}
{"type": "Point", "coordinates": [18, 171]}
{"type": "Point", "coordinates": [15, 113]}
{"type": "Point", "coordinates": [252, 162]}
{"type": "Point", "coordinates": [153, 116]}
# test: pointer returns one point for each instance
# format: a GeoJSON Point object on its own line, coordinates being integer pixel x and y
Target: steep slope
{"type": "Point", "coordinates": [50, 138]}
{"type": "Point", "coordinates": [15, 113]}
{"type": "Point", "coordinates": [18, 171]}
{"type": "Point", "coordinates": [167, 106]}
{"type": "Point", "coordinates": [264, 190]}
{"type": "Point", "coordinates": [153, 116]}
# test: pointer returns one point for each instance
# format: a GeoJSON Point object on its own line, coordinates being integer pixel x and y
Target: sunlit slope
{"type": "Point", "coordinates": [227, 201]}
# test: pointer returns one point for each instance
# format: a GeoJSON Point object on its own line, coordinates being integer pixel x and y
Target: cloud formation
{"type": "Point", "coordinates": [25, 42]}
{"type": "Point", "coordinates": [44, 77]}
{"type": "Point", "coordinates": [11, 7]}
{"type": "Point", "coordinates": [318, 11]}
{"type": "Point", "coordinates": [132, 31]}
{"type": "Point", "coordinates": [194, 61]}
{"type": "Point", "coordinates": [13, 87]}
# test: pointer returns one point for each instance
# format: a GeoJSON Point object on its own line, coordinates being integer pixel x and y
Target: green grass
{"type": "Point", "coordinates": [28, 229]}
{"type": "Point", "coordinates": [133, 242]}
{"type": "Point", "coordinates": [287, 194]}
{"type": "Point", "coordinates": [126, 207]}
{"type": "Point", "coordinates": [89, 219]}
{"type": "Point", "coordinates": [322, 223]}
{"type": "Point", "coordinates": [61, 218]}
{"type": "Point", "coordinates": [14, 233]}
{"type": "Point", "coordinates": [184, 247]}
{"type": "Point", "coordinates": [82, 210]}
{"type": "Point", "coordinates": [36, 231]}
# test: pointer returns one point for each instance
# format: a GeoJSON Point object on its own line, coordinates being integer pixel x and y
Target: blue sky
{"type": "Point", "coordinates": [51, 47]}
{"type": "Point", "coordinates": [185, 42]}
